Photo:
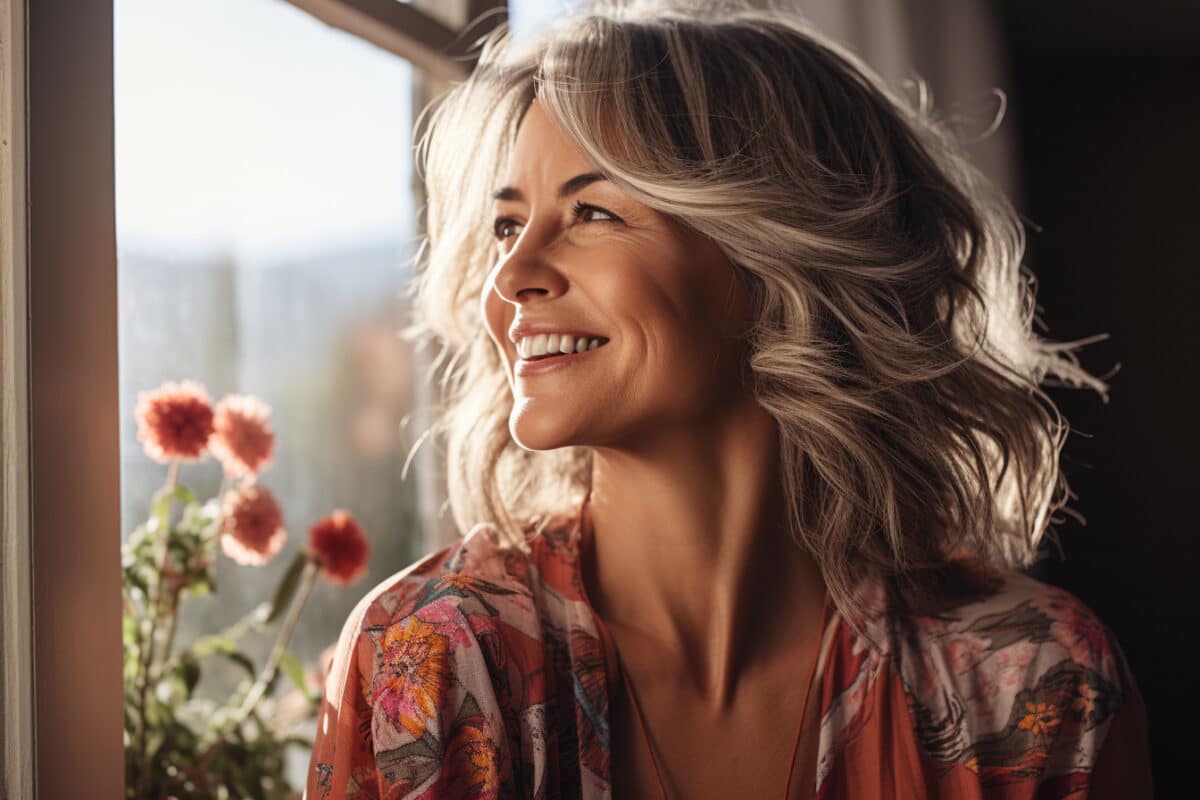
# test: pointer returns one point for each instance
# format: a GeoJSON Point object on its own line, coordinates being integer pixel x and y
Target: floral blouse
{"type": "Point", "coordinates": [481, 672]}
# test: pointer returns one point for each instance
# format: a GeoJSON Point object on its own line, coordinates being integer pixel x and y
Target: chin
{"type": "Point", "coordinates": [540, 431]}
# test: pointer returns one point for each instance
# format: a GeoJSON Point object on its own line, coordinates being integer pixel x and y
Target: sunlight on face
{"type": "Point", "coordinates": [583, 256]}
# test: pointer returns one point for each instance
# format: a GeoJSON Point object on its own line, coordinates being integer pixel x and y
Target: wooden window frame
{"type": "Point", "coordinates": [61, 697]}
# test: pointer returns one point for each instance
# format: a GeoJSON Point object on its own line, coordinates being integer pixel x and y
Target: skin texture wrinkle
{"type": "Point", "coordinates": [691, 558]}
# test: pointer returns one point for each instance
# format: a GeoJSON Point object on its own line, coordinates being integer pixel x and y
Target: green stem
{"type": "Point", "coordinates": [172, 626]}
{"type": "Point", "coordinates": [307, 581]}
{"type": "Point", "coordinates": [281, 641]}
{"type": "Point", "coordinates": [250, 621]}
{"type": "Point", "coordinates": [147, 655]}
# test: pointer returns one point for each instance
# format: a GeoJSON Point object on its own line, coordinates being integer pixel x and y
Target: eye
{"type": "Point", "coordinates": [581, 207]}
{"type": "Point", "coordinates": [501, 224]}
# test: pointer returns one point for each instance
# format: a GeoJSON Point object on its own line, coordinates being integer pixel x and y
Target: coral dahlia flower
{"type": "Point", "coordinates": [242, 441]}
{"type": "Point", "coordinates": [340, 548]}
{"type": "Point", "coordinates": [175, 421]}
{"type": "Point", "coordinates": [252, 529]}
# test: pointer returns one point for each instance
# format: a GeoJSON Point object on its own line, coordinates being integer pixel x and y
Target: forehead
{"type": "Point", "coordinates": [542, 150]}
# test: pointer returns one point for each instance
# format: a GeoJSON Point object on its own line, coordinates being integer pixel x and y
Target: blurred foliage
{"type": "Point", "coordinates": [176, 743]}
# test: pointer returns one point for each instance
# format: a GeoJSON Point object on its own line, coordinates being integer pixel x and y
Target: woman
{"type": "Point", "coordinates": [755, 529]}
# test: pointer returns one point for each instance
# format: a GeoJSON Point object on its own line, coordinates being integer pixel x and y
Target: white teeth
{"type": "Point", "coordinates": [542, 344]}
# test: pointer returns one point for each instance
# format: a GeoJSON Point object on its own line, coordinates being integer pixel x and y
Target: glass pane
{"type": "Point", "coordinates": [266, 226]}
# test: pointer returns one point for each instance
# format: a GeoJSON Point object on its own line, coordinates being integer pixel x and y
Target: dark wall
{"type": "Point", "coordinates": [1106, 100]}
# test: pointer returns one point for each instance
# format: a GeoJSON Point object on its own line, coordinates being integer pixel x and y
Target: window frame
{"type": "Point", "coordinates": [61, 697]}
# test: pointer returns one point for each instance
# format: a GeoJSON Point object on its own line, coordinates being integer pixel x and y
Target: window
{"type": "Point", "coordinates": [241, 290]}
{"type": "Point", "coordinates": [266, 225]}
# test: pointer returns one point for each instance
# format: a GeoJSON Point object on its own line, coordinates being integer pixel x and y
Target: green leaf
{"type": "Point", "coordinates": [200, 526]}
{"type": "Point", "coordinates": [134, 540]}
{"type": "Point", "coordinates": [294, 670]}
{"type": "Point", "coordinates": [243, 661]}
{"type": "Point", "coordinates": [251, 621]}
{"type": "Point", "coordinates": [207, 645]}
{"type": "Point", "coordinates": [183, 494]}
{"type": "Point", "coordinates": [160, 506]}
{"type": "Point", "coordinates": [129, 631]}
{"type": "Point", "coordinates": [188, 671]}
{"type": "Point", "coordinates": [287, 585]}
{"type": "Point", "coordinates": [204, 583]}
{"type": "Point", "coordinates": [135, 580]}
{"type": "Point", "coordinates": [210, 645]}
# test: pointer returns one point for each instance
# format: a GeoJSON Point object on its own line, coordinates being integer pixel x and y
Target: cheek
{"type": "Point", "coordinates": [672, 300]}
{"type": "Point", "coordinates": [689, 314]}
{"type": "Point", "coordinates": [669, 338]}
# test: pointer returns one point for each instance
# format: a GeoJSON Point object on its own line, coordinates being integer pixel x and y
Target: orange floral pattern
{"type": "Point", "coordinates": [1041, 720]}
{"type": "Point", "coordinates": [480, 672]}
{"type": "Point", "coordinates": [415, 671]}
{"type": "Point", "coordinates": [472, 760]}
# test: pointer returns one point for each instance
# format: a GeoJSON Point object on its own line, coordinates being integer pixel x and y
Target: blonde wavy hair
{"type": "Point", "coordinates": [894, 341]}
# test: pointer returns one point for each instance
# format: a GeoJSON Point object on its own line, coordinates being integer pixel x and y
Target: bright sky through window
{"type": "Point", "coordinates": [251, 127]}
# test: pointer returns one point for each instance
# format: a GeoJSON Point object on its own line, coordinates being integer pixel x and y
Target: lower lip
{"type": "Point", "coordinates": [541, 366]}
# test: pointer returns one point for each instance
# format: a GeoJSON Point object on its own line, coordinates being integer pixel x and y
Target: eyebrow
{"type": "Point", "coordinates": [569, 187]}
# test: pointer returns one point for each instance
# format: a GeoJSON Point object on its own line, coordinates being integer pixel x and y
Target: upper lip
{"type": "Point", "coordinates": [519, 332]}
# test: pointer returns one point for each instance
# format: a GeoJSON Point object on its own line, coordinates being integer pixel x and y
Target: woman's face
{"type": "Point", "coordinates": [583, 257]}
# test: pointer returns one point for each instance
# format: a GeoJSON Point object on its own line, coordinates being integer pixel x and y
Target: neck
{"type": "Point", "coordinates": [688, 553]}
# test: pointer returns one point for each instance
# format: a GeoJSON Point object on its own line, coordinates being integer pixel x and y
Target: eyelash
{"type": "Point", "coordinates": [576, 210]}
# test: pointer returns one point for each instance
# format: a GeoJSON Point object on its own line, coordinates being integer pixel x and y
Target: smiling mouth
{"type": "Point", "coordinates": [523, 365]}
{"type": "Point", "coordinates": [545, 356]}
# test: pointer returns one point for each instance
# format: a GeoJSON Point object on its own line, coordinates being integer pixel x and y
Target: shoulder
{"type": "Point", "coordinates": [427, 654]}
{"type": "Point", "coordinates": [477, 575]}
{"type": "Point", "coordinates": [1025, 678]}
{"type": "Point", "coordinates": [478, 580]}
{"type": "Point", "coordinates": [1018, 614]}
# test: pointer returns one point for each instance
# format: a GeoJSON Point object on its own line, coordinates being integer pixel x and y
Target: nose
{"type": "Point", "coordinates": [527, 271]}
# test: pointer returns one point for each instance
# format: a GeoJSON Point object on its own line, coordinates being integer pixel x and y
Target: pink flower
{"type": "Point", "coordinates": [175, 421]}
{"type": "Point", "coordinates": [447, 617]}
{"type": "Point", "coordinates": [340, 548]}
{"type": "Point", "coordinates": [1077, 629]}
{"type": "Point", "coordinates": [252, 529]}
{"type": "Point", "coordinates": [242, 441]}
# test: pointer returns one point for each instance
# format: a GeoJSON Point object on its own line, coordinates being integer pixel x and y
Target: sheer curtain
{"type": "Point", "coordinates": [954, 46]}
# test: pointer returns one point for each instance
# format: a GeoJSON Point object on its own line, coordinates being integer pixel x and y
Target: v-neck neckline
{"type": "Point", "coordinates": [582, 543]}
